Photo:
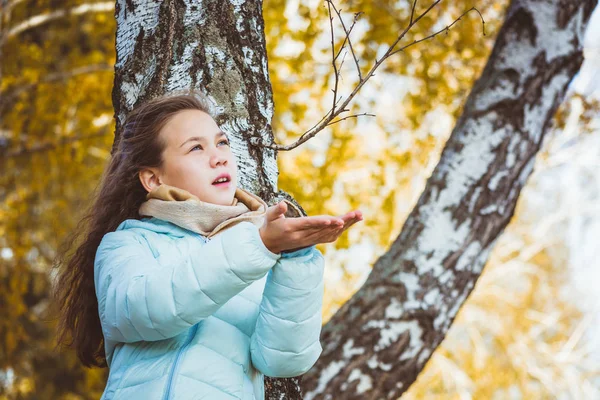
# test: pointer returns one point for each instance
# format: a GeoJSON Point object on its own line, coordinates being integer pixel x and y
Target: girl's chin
{"type": "Point", "coordinates": [223, 196]}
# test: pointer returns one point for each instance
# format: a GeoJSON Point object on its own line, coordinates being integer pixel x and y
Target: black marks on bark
{"type": "Point", "coordinates": [130, 6]}
{"type": "Point", "coordinates": [126, 73]}
{"type": "Point", "coordinates": [117, 9]}
{"type": "Point", "coordinates": [588, 8]}
{"type": "Point", "coordinates": [502, 79]}
{"type": "Point", "coordinates": [168, 20]}
{"type": "Point", "coordinates": [177, 14]}
{"type": "Point", "coordinates": [565, 12]}
{"type": "Point", "coordinates": [199, 62]}
{"type": "Point", "coordinates": [567, 8]}
{"type": "Point", "coordinates": [522, 24]}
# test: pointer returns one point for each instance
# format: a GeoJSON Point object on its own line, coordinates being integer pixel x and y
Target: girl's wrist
{"type": "Point", "coordinates": [268, 245]}
{"type": "Point", "coordinates": [295, 249]}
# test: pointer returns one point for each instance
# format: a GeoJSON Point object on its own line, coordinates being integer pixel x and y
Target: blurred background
{"type": "Point", "coordinates": [531, 327]}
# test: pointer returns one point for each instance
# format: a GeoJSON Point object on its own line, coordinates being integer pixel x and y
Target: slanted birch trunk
{"type": "Point", "coordinates": [377, 343]}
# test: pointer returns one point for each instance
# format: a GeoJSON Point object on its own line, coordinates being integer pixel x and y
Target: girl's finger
{"type": "Point", "coordinates": [331, 232]}
{"type": "Point", "coordinates": [352, 214]}
{"type": "Point", "coordinates": [321, 234]}
{"type": "Point", "coordinates": [349, 225]}
{"type": "Point", "coordinates": [317, 222]}
{"type": "Point", "coordinates": [316, 233]}
{"type": "Point", "coordinates": [328, 233]}
{"type": "Point", "coordinates": [352, 221]}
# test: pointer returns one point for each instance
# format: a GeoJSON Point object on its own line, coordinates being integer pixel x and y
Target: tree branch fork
{"type": "Point", "coordinates": [337, 110]}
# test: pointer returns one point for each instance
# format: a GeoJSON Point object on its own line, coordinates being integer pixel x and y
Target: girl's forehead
{"type": "Point", "coordinates": [190, 119]}
{"type": "Point", "coordinates": [189, 123]}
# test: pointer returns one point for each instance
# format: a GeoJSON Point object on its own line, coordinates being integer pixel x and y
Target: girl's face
{"type": "Point", "coordinates": [197, 152]}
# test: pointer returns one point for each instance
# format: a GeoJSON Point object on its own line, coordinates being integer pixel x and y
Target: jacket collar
{"type": "Point", "coordinates": [156, 225]}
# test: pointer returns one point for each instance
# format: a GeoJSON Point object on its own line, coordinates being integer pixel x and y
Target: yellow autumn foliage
{"type": "Point", "coordinates": [56, 134]}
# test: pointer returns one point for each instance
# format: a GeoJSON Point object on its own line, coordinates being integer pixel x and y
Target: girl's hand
{"type": "Point", "coordinates": [279, 233]}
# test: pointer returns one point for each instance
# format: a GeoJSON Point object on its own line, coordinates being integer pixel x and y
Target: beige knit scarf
{"type": "Point", "coordinates": [186, 210]}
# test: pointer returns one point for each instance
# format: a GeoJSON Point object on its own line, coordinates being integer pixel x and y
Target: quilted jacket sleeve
{"type": "Point", "coordinates": [138, 299]}
{"type": "Point", "coordinates": [285, 342]}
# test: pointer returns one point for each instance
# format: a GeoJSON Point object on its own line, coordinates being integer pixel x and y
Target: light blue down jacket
{"type": "Point", "coordinates": [184, 317]}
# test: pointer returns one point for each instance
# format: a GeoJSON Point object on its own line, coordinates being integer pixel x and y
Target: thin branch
{"type": "Point", "coordinates": [342, 63]}
{"type": "Point", "coordinates": [350, 116]}
{"type": "Point", "coordinates": [38, 20]}
{"type": "Point", "coordinates": [412, 23]}
{"type": "Point", "coordinates": [442, 30]}
{"type": "Point", "coordinates": [347, 32]}
{"type": "Point", "coordinates": [335, 70]}
{"type": "Point", "coordinates": [326, 120]}
{"type": "Point", "coordinates": [412, 12]}
{"type": "Point", "coordinates": [5, 10]}
{"type": "Point", "coordinates": [7, 6]}
{"type": "Point", "coordinates": [347, 37]}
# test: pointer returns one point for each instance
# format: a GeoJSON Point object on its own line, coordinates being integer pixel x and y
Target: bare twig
{"type": "Point", "coordinates": [5, 11]}
{"type": "Point", "coordinates": [347, 37]}
{"type": "Point", "coordinates": [350, 116]}
{"type": "Point", "coordinates": [442, 30]}
{"type": "Point", "coordinates": [7, 6]}
{"type": "Point", "coordinates": [38, 20]}
{"type": "Point", "coordinates": [333, 56]}
{"type": "Point", "coordinates": [412, 12]}
{"type": "Point", "coordinates": [334, 112]}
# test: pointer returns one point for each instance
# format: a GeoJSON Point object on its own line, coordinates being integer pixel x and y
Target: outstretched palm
{"type": "Point", "coordinates": [289, 234]}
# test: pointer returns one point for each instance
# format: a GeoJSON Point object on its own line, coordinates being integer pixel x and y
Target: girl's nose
{"type": "Point", "coordinates": [217, 159]}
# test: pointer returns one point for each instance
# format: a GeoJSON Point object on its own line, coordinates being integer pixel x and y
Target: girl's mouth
{"type": "Point", "coordinates": [222, 184]}
{"type": "Point", "coordinates": [222, 181]}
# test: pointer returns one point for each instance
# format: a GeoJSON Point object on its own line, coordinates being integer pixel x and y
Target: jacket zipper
{"type": "Point", "coordinates": [204, 239]}
{"type": "Point", "coordinates": [175, 365]}
{"type": "Point", "coordinates": [178, 359]}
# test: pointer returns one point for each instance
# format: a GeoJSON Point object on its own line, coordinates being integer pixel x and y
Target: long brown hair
{"type": "Point", "coordinates": [118, 197]}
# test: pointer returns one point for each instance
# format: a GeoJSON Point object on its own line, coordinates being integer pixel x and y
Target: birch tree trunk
{"type": "Point", "coordinates": [378, 342]}
{"type": "Point", "coordinates": [218, 46]}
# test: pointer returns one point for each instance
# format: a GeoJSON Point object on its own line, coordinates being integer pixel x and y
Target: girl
{"type": "Point", "coordinates": [186, 286]}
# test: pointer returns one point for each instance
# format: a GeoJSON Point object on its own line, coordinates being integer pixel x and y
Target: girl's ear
{"type": "Point", "coordinates": [149, 179]}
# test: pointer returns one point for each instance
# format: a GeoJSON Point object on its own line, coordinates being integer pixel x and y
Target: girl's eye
{"type": "Point", "coordinates": [222, 141]}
